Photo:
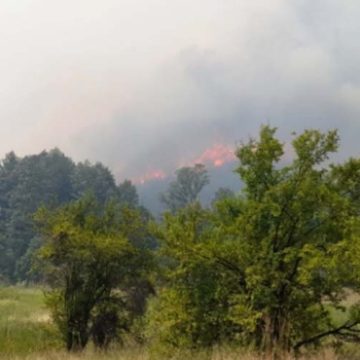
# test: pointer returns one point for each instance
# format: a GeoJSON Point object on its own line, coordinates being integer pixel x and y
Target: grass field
{"type": "Point", "coordinates": [27, 333]}
{"type": "Point", "coordinates": [138, 354]}
{"type": "Point", "coordinates": [25, 325]}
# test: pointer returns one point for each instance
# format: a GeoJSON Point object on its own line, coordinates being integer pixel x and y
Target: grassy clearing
{"type": "Point", "coordinates": [340, 316]}
{"type": "Point", "coordinates": [26, 333]}
{"type": "Point", "coordinates": [141, 354]}
{"type": "Point", "coordinates": [25, 325]}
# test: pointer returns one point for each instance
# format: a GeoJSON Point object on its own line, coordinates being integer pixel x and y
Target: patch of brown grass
{"type": "Point", "coordinates": [142, 354]}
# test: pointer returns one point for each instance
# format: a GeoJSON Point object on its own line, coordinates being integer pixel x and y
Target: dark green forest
{"type": "Point", "coordinates": [48, 179]}
{"type": "Point", "coordinates": [266, 268]}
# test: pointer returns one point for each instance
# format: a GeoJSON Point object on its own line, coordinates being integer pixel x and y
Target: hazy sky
{"type": "Point", "coordinates": [146, 85]}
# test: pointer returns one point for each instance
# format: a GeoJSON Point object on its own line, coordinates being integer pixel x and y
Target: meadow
{"type": "Point", "coordinates": [27, 333]}
{"type": "Point", "coordinates": [25, 324]}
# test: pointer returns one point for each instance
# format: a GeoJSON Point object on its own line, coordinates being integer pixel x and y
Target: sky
{"type": "Point", "coordinates": [146, 86]}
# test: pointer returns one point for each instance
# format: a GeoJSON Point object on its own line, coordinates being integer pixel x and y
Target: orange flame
{"type": "Point", "coordinates": [217, 155]}
{"type": "Point", "coordinates": [150, 175]}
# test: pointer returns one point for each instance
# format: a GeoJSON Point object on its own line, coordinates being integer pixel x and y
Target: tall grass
{"type": "Point", "coordinates": [25, 325]}
{"type": "Point", "coordinates": [142, 354]}
{"type": "Point", "coordinates": [27, 333]}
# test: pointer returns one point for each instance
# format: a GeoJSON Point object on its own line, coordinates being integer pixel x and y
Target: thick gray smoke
{"type": "Point", "coordinates": [145, 85]}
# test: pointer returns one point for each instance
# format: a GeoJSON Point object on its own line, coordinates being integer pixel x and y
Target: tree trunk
{"type": "Point", "coordinates": [276, 336]}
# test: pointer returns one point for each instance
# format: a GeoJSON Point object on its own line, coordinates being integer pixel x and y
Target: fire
{"type": "Point", "coordinates": [150, 175]}
{"type": "Point", "coordinates": [217, 155]}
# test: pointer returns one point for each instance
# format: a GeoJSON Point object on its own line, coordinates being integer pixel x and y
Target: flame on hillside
{"type": "Point", "coordinates": [217, 155]}
{"type": "Point", "coordinates": [149, 176]}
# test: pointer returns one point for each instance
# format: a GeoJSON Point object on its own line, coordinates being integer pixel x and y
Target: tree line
{"type": "Point", "coordinates": [266, 268]}
{"type": "Point", "coordinates": [51, 179]}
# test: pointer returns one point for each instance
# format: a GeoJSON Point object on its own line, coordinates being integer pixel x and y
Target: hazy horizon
{"type": "Point", "coordinates": [145, 86]}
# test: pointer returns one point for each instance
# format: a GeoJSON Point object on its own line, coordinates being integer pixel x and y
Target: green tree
{"type": "Point", "coordinates": [276, 253]}
{"type": "Point", "coordinates": [25, 184]}
{"type": "Point", "coordinates": [92, 266]}
{"type": "Point", "coordinates": [126, 194]}
{"type": "Point", "coordinates": [186, 188]}
{"type": "Point", "coordinates": [95, 179]}
{"type": "Point", "coordinates": [51, 179]}
{"type": "Point", "coordinates": [222, 193]}
{"type": "Point", "coordinates": [191, 309]}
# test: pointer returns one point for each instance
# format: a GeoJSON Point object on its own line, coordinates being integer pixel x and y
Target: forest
{"type": "Point", "coordinates": [272, 269]}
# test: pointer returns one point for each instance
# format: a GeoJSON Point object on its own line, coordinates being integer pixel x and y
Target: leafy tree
{"type": "Point", "coordinates": [223, 193]}
{"type": "Point", "coordinates": [126, 193]}
{"type": "Point", "coordinates": [186, 188]}
{"type": "Point", "coordinates": [51, 179]}
{"type": "Point", "coordinates": [25, 184]}
{"type": "Point", "coordinates": [191, 311]}
{"type": "Point", "coordinates": [95, 179]}
{"type": "Point", "coordinates": [92, 266]}
{"type": "Point", "coordinates": [275, 254]}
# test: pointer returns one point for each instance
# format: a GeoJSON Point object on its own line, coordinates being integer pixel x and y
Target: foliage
{"type": "Point", "coordinates": [186, 188]}
{"type": "Point", "coordinates": [221, 194]}
{"type": "Point", "coordinates": [90, 263]}
{"type": "Point", "coordinates": [126, 194]}
{"type": "Point", "coordinates": [24, 323]}
{"type": "Point", "coordinates": [26, 333]}
{"type": "Point", "coordinates": [192, 309]}
{"type": "Point", "coordinates": [50, 179]}
{"type": "Point", "coordinates": [269, 263]}
{"type": "Point", "coordinates": [269, 268]}
{"type": "Point", "coordinates": [96, 179]}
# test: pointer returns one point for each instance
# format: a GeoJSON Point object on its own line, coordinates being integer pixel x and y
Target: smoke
{"type": "Point", "coordinates": [146, 86]}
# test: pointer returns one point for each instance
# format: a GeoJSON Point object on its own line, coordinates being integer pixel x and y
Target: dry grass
{"type": "Point", "coordinates": [26, 333]}
{"type": "Point", "coordinates": [142, 354]}
{"type": "Point", "coordinates": [25, 325]}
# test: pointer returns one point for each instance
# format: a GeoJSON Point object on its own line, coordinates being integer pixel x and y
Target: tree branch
{"type": "Point", "coordinates": [348, 326]}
